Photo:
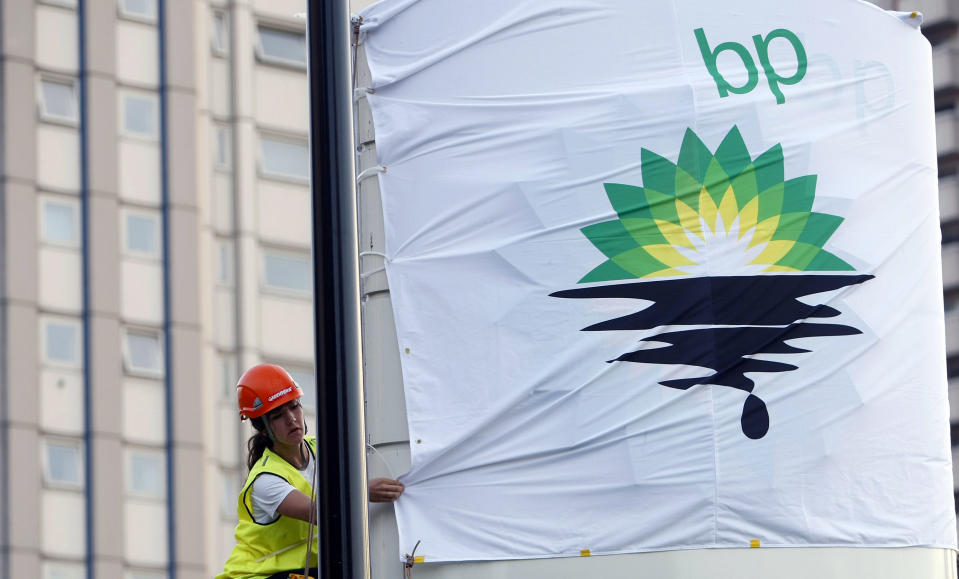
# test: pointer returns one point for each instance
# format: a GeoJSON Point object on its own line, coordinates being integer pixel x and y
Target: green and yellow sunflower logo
{"type": "Point", "coordinates": [722, 240]}
{"type": "Point", "coordinates": [723, 212]}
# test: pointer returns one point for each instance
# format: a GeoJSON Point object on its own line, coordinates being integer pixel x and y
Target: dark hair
{"type": "Point", "coordinates": [259, 442]}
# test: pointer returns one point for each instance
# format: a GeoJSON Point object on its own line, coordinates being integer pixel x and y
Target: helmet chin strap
{"type": "Point", "coordinates": [269, 431]}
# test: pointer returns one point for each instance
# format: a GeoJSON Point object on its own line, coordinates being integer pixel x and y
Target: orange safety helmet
{"type": "Point", "coordinates": [263, 388]}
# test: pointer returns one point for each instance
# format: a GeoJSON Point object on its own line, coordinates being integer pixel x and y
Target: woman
{"type": "Point", "coordinates": [275, 508]}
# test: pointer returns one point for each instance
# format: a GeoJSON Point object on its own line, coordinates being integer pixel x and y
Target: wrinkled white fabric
{"type": "Point", "coordinates": [500, 124]}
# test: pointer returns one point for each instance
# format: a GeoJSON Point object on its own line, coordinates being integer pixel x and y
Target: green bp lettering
{"type": "Point", "coordinates": [761, 44]}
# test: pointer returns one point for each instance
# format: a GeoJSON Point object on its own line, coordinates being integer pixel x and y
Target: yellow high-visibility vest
{"type": "Point", "coordinates": [262, 550]}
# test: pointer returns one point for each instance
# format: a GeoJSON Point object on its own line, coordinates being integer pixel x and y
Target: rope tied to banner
{"type": "Point", "coordinates": [412, 559]}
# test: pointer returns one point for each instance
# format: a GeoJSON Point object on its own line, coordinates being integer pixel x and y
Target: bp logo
{"type": "Point", "coordinates": [721, 241]}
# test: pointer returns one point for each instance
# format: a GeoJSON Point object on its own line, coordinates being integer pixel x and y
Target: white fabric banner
{"type": "Point", "coordinates": [665, 275]}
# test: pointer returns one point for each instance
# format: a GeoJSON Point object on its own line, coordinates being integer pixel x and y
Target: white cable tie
{"type": "Point", "coordinates": [361, 92]}
{"type": "Point", "coordinates": [367, 173]}
{"type": "Point", "coordinates": [376, 253]}
{"type": "Point", "coordinates": [367, 274]}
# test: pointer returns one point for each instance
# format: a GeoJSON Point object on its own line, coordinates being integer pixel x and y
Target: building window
{"type": "Point", "coordinates": [143, 352]}
{"type": "Point", "coordinates": [284, 158]}
{"type": "Point", "coordinates": [146, 473]}
{"type": "Point", "coordinates": [61, 342]}
{"type": "Point", "coordinates": [57, 570]}
{"type": "Point", "coordinates": [219, 37]}
{"type": "Point", "coordinates": [139, 112]}
{"type": "Point", "coordinates": [67, 4]}
{"type": "Point", "coordinates": [141, 233]}
{"type": "Point", "coordinates": [224, 262]}
{"type": "Point", "coordinates": [287, 272]}
{"type": "Point", "coordinates": [229, 491]}
{"type": "Point", "coordinates": [228, 376]}
{"type": "Point", "coordinates": [280, 46]}
{"type": "Point", "coordinates": [306, 380]}
{"type": "Point", "coordinates": [63, 463]}
{"type": "Point", "coordinates": [145, 10]}
{"type": "Point", "coordinates": [59, 223]}
{"type": "Point", "coordinates": [58, 101]}
{"type": "Point", "coordinates": [222, 147]}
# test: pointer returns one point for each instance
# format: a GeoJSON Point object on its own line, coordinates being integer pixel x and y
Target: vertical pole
{"type": "Point", "coordinates": [341, 494]}
{"type": "Point", "coordinates": [167, 285]}
{"type": "Point", "coordinates": [83, 129]}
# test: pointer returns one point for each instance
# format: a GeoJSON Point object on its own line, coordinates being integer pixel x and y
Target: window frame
{"type": "Point", "coordinates": [76, 569]}
{"type": "Point", "coordinates": [264, 57]}
{"type": "Point", "coordinates": [220, 128]}
{"type": "Point", "coordinates": [152, 18]}
{"type": "Point", "coordinates": [219, 46]}
{"type": "Point", "coordinates": [59, 3]}
{"type": "Point", "coordinates": [123, 94]}
{"type": "Point", "coordinates": [231, 485]}
{"type": "Point", "coordinates": [129, 453]}
{"type": "Point", "coordinates": [45, 322]}
{"type": "Point", "coordinates": [309, 394]}
{"type": "Point", "coordinates": [225, 253]}
{"type": "Point", "coordinates": [44, 114]}
{"type": "Point", "coordinates": [286, 139]}
{"type": "Point", "coordinates": [266, 287]}
{"type": "Point", "coordinates": [125, 214]}
{"type": "Point", "coordinates": [141, 573]}
{"type": "Point", "coordinates": [129, 367]}
{"type": "Point", "coordinates": [79, 459]}
{"type": "Point", "coordinates": [227, 375]}
{"type": "Point", "coordinates": [44, 200]}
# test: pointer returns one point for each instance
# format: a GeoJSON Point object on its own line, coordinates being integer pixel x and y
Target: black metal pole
{"type": "Point", "coordinates": [341, 501]}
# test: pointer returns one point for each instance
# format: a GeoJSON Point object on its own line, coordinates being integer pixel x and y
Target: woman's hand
{"type": "Point", "coordinates": [385, 490]}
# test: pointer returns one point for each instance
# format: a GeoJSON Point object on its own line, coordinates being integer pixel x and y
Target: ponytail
{"type": "Point", "coordinates": [259, 442]}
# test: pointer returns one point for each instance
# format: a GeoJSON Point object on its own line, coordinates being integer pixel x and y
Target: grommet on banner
{"type": "Point", "coordinates": [361, 92]}
{"type": "Point", "coordinates": [367, 173]}
{"type": "Point", "coordinates": [754, 544]}
{"type": "Point", "coordinates": [913, 18]}
{"type": "Point", "coordinates": [585, 553]}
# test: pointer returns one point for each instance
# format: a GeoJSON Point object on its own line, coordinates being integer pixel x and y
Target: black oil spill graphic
{"type": "Point", "coordinates": [759, 314]}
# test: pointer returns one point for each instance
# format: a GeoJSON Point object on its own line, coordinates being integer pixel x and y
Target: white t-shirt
{"type": "Point", "coordinates": [269, 490]}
